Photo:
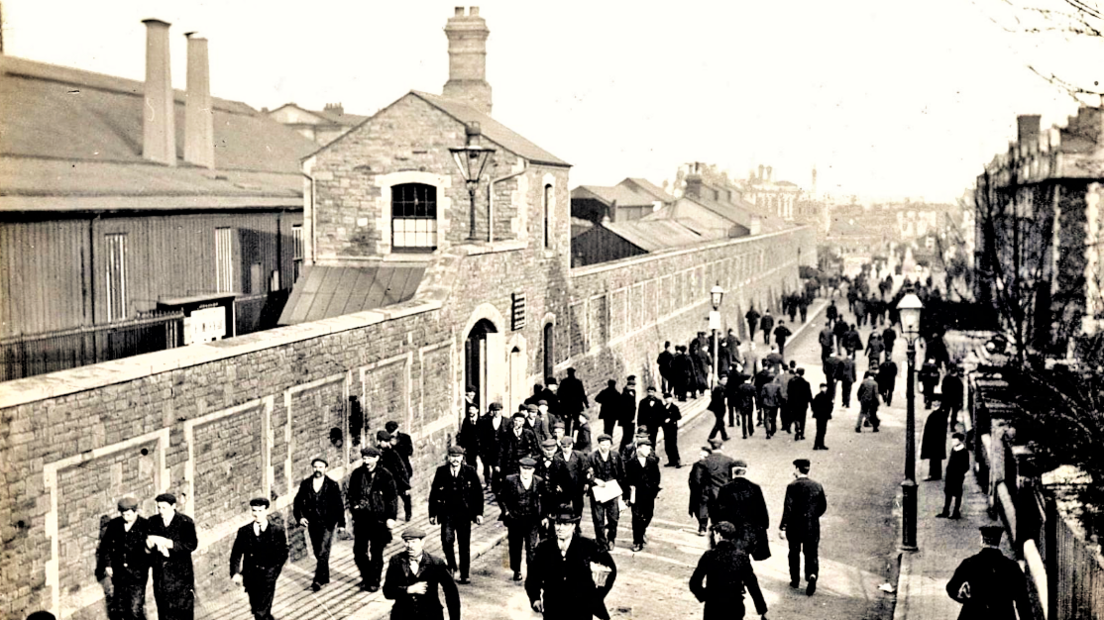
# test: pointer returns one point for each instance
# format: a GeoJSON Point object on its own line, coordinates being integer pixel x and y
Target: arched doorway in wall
{"type": "Point", "coordinates": [479, 360]}
{"type": "Point", "coordinates": [548, 351]}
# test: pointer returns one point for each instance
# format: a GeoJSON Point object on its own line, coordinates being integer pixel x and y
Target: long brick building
{"type": "Point", "coordinates": [401, 304]}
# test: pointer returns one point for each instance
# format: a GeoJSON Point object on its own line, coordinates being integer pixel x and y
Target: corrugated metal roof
{"type": "Point", "coordinates": [493, 130]}
{"type": "Point", "coordinates": [65, 113]}
{"type": "Point", "coordinates": [323, 292]}
{"type": "Point", "coordinates": [654, 235]}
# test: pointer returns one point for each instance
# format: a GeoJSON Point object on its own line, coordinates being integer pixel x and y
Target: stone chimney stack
{"type": "Point", "coordinates": [199, 117]}
{"type": "Point", "coordinates": [693, 181]}
{"type": "Point", "coordinates": [760, 177]}
{"type": "Point", "coordinates": [812, 190]}
{"type": "Point", "coordinates": [770, 173]}
{"type": "Point", "coordinates": [467, 83]}
{"type": "Point", "coordinates": [1027, 128]}
{"type": "Point", "coordinates": [159, 119]}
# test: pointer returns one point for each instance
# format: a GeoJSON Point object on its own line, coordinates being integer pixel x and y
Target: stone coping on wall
{"type": "Point", "coordinates": [635, 260]}
{"type": "Point", "coordinates": [61, 383]}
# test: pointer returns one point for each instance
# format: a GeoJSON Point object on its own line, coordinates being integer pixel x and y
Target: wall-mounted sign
{"type": "Point", "coordinates": [517, 314]}
{"type": "Point", "coordinates": [205, 325]}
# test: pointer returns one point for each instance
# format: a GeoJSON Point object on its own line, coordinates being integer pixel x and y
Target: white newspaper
{"type": "Point", "coordinates": [607, 492]}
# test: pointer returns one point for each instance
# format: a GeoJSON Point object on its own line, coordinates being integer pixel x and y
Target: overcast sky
{"type": "Point", "coordinates": [886, 99]}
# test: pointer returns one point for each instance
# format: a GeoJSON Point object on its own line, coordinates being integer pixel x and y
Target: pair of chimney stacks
{"type": "Point", "coordinates": [159, 111]}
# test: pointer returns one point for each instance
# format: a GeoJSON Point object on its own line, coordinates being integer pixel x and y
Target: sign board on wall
{"type": "Point", "coordinates": [517, 307]}
{"type": "Point", "coordinates": [205, 324]}
{"type": "Point", "coordinates": [207, 317]}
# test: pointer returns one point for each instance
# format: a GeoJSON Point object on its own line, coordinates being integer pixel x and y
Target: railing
{"type": "Point", "coordinates": [1078, 576]}
{"type": "Point", "coordinates": [38, 354]}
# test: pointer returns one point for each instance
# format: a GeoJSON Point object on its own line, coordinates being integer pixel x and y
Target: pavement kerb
{"type": "Point", "coordinates": [904, 583]}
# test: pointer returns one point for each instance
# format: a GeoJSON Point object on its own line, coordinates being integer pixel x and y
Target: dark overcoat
{"type": "Point", "coordinates": [719, 581]}
{"type": "Point", "coordinates": [173, 576]}
{"type": "Point", "coordinates": [435, 574]}
{"type": "Point", "coordinates": [566, 582]}
{"type": "Point", "coordinates": [933, 445]}
{"type": "Point", "coordinates": [996, 586]}
{"type": "Point", "coordinates": [259, 559]}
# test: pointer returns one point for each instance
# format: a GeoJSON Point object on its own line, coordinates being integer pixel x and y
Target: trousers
{"type": "Point", "coordinates": [321, 538]}
{"type": "Point", "coordinates": [457, 530]}
{"type": "Point", "coordinates": [670, 443]}
{"type": "Point", "coordinates": [809, 546]}
{"type": "Point", "coordinates": [718, 426]}
{"type": "Point", "coordinates": [522, 534]}
{"type": "Point", "coordinates": [642, 512]}
{"type": "Point", "coordinates": [260, 599]}
{"type": "Point", "coordinates": [370, 539]}
{"type": "Point", "coordinates": [605, 516]}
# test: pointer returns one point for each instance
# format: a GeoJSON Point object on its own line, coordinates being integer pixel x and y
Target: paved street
{"type": "Point", "coordinates": [861, 475]}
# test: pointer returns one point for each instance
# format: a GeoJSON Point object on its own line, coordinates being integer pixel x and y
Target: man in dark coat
{"type": "Point", "coordinates": [762, 378]}
{"type": "Point", "coordinates": [455, 501]}
{"type": "Point", "coordinates": [845, 373]}
{"type": "Point", "coordinates": [868, 403]}
{"type": "Point", "coordinates": [610, 401]}
{"type": "Point", "coordinates": [551, 397]}
{"type": "Point", "coordinates": [853, 341]}
{"type": "Point", "coordinates": [123, 564]}
{"type": "Point", "coordinates": [989, 584]}
{"type": "Point", "coordinates": [887, 380]}
{"type": "Point", "coordinates": [822, 412]}
{"type": "Point", "coordinates": [650, 414]}
{"type": "Point", "coordinates": [831, 368]}
{"type": "Point", "coordinates": [718, 407]}
{"type": "Point", "coordinates": [804, 505]}
{"type": "Point", "coordinates": [889, 337]}
{"type": "Point", "coordinates": [770, 399]}
{"type": "Point", "coordinates": [517, 443]}
{"type": "Point", "coordinates": [699, 508]}
{"type": "Point", "coordinates": [781, 335]}
{"type": "Point", "coordinates": [642, 481]}
{"type": "Point", "coordinates": [393, 463]}
{"type": "Point", "coordinates": [490, 429]}
{"type": "Point", "coordinates": [825, 339]}
{"type": "Point", "coordinates": [671, 417]}
{"type": "Point", "coordinates": [563, 583]}
{"type": "Point", "coordinates": [702, 359]}
{"type": "Point", "coordinates": [605, 468]}
{"type": "Point", "coordinates": [957, 466]}
{"type": "Point", "coordinates": [726, 572]}
{"type": "Point", "coordinates": [170, 541]}
{"type": "Point", "coordinates": [929, 378]}
{"type": "Point", "coordinates": [716, 472]}
{"type": "Point", "coordinates": [374, 503]}
{"type": "Point", "coordinates": [933, 443]}
{"type": "Point", "coordinates": [840, 330]}
{"type": "Point", "coordinates": [798, 396]}
{"type": "Point", "coordinates": [740, 502]}
{"type": "Point", "coordinates": [683, 374]}
{"type": "Point", "coordinates": [468, 436]}
{"type": "Point", "coordinates": [952, 394]}
{"type": "Point", "coordinates": [413, 580]}
{"type": "Point", "coordinates": [745, 401]}
{"type": "Point", "coordinates": [831, 313]}
{"type": "Point", "coordinates": [319, 507]}
{"type": "Point", "coordinates": [573, 400]}
{"type": "Point", "coordinates": [753, 321]}
{"type": "Point", "coordinates": [664, 361]}
{"type": "Point", "coordinates": [523, 513]}
{"type": "Point", "coordinates": [257, 558]}
{"type": "Point", "coordinates": [766, 323]}
{"type": "Point", "coordinates": [553, 471]}
{"type": "Point", "coordinates": [575, 464]}
{"type": "Point", "coordinates": [404, 446]}
{"type": "Point", "coordinates": [626, 416]}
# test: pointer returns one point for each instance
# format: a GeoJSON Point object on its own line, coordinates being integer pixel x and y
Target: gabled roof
{"type": "Point", "coordinates": [645, 186]}
{"type": "Point", "coordinates": [623, 196]}
{"type": "Point", "coordinates": [492, 129]}
{"type": "Point", "coordinates": [65, 113]}
{"type": "Point", "coordinates": [655, 235]}
{"type": "Point", "coordinates": [344, 119]}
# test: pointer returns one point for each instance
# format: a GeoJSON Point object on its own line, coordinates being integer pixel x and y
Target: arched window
{"type": "Point", "coordinates": [546, 205]}
{"type": "Point", "coordinates": [413, 218]}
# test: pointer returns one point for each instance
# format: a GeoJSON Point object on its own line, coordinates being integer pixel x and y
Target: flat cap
{"type": "Point", "coordinates": [604, 437]}
{"type": "Point", "coordinates": [801, 463]}
{"type": "Point", "coordinates": [166, 497]}
{"type": "Point", "coordinates": [260, 501]}
{"type": "Point", "coordinates": [708, 449]}
{"type": "Point", "coordinates": [369, 451]}
{"type": "Point", "coordinates": [128, 503]}
{"type": "Point", "coordinates": [383, 436]}
{"type": "Point", "coordinates": [413, 532]}
{"type": "Point", "coordinates": [716, 443]}
{"type": "Point", "coordinates": [739, 463]}
{"type": "Point", "coordinates": [518, 414]}
{"type": "Point", "coordinates": [496, 407]}
{"type": "Point", "coordinates": [527, 462]}
{"type": "Point", "coordinates": [644, 442]}
{"type": "Point", "coordinates": [542, 402]}
{"type": "Point", "coordinates": [991, 534]}
{"type": "Point", "coordinates": [548, 443]}
{"type": "Point", "coordinates": [532, 408]}
{"type": "Point", "coordinates": [457, 449]}
{"type": "Point", "coordinates": [566, 441]}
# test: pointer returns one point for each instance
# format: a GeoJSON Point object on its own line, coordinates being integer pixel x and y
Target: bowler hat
{"type": "Point", "coordinates": [565, 516]}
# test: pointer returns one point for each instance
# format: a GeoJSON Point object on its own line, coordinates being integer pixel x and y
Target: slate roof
{"type": "Point", "coordinates": [344, 119]}
{"type": "Point", "coordinates": [655, 235]}
{"type": "Point", "coordinates": [324, 292]}
{"type": "Point", "coordinates": [650, 188]}
{"type": "Point", "coordinates": [492, 129]}
{"type": "Point", "coordinates": [623, 196]}
{"type": "Point", "coordinates": [69, 132]}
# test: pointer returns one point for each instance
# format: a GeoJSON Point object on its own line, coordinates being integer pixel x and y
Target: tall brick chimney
{"type": "Point", "coordinates": [158, 121]}
{"type": "Point", "coordinates": [1027, 128]}
{"type": "Point", "coordinates": [467, 35]}
{"type": "Point", "coordinates": [199, 118]}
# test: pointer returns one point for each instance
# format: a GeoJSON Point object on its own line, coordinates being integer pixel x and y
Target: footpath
{"type": "Point", "coordinates": [343, 598]}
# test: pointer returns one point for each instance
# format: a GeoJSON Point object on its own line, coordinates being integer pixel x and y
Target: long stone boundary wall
{"type": "Point", "coordinates": [621, 313]}
{"type": "Point", "coordinates": [222, 422]}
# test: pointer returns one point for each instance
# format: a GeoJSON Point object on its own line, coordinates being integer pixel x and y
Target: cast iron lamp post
{"type": "Point", "coordinates": [716, 296]}
{"type": "Point", "coordinates": [909, 308]}
{"type": "Point", "coordinates": [471, 159]}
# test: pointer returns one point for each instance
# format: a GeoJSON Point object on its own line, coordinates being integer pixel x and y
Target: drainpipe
{"type": "Point", "coordinates": [490, 197]}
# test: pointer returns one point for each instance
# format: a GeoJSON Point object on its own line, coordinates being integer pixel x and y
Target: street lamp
{"type": "Point", "coordinates": [716, 296]}
{"type": "Point", "coordinates": [471, 159]}
{"type": "Point", "coordinates": [909, 309]}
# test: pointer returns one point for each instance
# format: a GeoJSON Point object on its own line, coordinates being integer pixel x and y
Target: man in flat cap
{"type": "Point", "coordinates": [404, 445]}
{"type": "Point", "coordinates": [259, 552]}
{"type": "Point", "coordinates": [523, 512]}
{"type": "Point", "coordinates": [716, 472]}
{"type": "Point", "coordinates": [491, 428]}
{"type": "Point", "coordinates": [722, 575]}
{"type": "Point", "coordinates": [551, 398]}
{"type": "Point", "coordinates": [455, 501]}
{"type": "Point", "coordinates": [515, 444]}
{"type": "Point", "coordinates": [989, 584]}
{"type": "Point", "coordinates": [414, 578]}
{"type": "Point", "coordinates": [669, 420]}
{"type": "Point", "coordinates": [393, 463]}
{"type": "Point", "coordinates": [805, 503]}
{"type": "Point", "coordinates": [537, 420]}
{"type": "Point", "coordinates": [642, 480]}
{"type": "Point", "coordinates": [576, 464]}
{"type": "Point", "coordinates": [650, 413]}
{"type": "Point", "coordinates": [170, 541]}
{"type": "Point", "coordinates": [319, 507]}
{"type": "Point", "coordinates": [373, 502]}
{"type": "Point", "coordinates": [557, 480]}
{"type": "Point", "coordinates": [626, 418]}
{"type": "Point", "coordinates": [122, 563]}
{"type": "Point", "coordinates": [570, 575]}
{"type": "Point", "coordinates": [740, 502]}
{"type": "Point", "coordinates": [606, 477]}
